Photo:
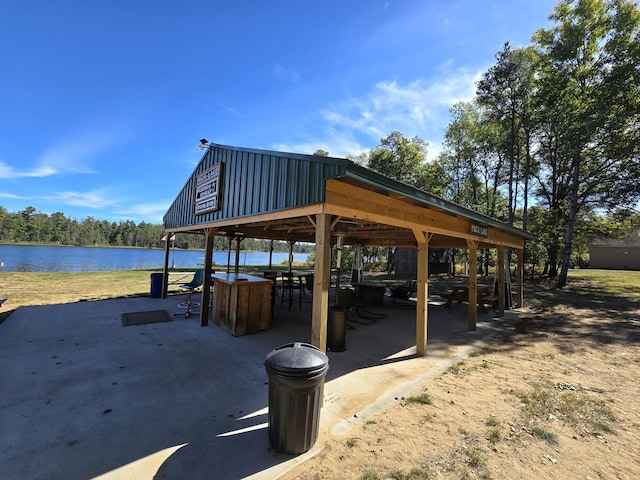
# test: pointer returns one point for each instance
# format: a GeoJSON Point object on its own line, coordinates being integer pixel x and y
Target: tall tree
{"type": "Point", "coordinates": [506, 91]}
{"type": "Point", "coordinates": [589, 96]}
{"type": "Point", "coordinates": [460, 154]}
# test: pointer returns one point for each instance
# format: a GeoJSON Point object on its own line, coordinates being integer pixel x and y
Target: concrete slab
{"type": "Point", "coordinates": [83, 397]}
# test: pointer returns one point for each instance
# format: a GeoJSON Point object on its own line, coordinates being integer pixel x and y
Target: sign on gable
{"type": "Point", "coordinates": [207, 190]}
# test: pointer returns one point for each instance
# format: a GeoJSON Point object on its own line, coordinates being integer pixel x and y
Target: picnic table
{"type": "Point", "coordinates": [460, 293]}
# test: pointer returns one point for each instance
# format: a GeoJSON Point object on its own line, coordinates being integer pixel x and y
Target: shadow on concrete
{"type": "Point", "coordinates": [83, 397]}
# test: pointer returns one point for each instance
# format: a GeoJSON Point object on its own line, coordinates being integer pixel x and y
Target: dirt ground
{"type": "Point", "coordinates": [556, 397]}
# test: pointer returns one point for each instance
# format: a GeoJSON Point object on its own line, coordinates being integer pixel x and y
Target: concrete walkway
{"type": "Point", "coordinates": [83, 397]}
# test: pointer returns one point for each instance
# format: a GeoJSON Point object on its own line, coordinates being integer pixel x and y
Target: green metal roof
{"type": "Point", "coordinates": [257, 181]}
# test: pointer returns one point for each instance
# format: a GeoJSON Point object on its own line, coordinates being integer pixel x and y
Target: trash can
{"type": "Point", "coordinates": [296, 374]}
{"type": "Point", "coordinates": [336, 329]}
{"type": "Point", "coordinates": [156, 285]}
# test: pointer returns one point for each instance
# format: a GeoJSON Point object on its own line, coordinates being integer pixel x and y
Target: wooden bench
{"type": "Point", "coordinates": [461, 296]}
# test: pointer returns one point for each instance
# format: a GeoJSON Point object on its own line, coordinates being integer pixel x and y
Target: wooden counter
{"type": "Point", "coordinates": [241, 303]}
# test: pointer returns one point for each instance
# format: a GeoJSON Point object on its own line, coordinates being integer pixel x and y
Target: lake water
{"type": "Point", "coordinates": [38, 258]}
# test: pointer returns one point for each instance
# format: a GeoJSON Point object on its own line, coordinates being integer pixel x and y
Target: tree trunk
{"type": "Point", "coordinates": [571, 220]}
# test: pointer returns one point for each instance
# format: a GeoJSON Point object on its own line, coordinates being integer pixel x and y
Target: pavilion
{"type": "Point", "coordinates": [244, 192]}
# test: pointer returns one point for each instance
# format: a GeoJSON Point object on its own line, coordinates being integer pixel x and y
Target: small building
{"type": "Point", "coordinates": [405, 262]}
{"type": "Point", "coordinates": [611, 254]}
{"type": "Point", "coordinates": [250, 193]}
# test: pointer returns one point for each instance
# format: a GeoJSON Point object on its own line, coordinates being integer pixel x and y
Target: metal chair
{"type": "Point", "coordinates": [290, 285]}
{"type": "Point", "coordinates": [273, 276]}
{"type": "Point", "coordinates": [308, 282]}
{"type": "Point", "coordinates": [400, 295]}
{"type": "Point", "coordinates": [191, 287]}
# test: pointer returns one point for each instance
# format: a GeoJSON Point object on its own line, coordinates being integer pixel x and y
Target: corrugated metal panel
{"type": "Point", "coordinates": [254, 182]}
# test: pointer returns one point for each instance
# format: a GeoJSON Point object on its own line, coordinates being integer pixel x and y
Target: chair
{"type": "Point", "coordinates": [190, 288]}
{"type": "Point", "coordinates": [308, 282]}
{"type": "Point", "coordinates": [289, 286]}
{"type": "Point", "coordinates": [273, 276]}
{"type": "Point", "coordinates": [400, 295]}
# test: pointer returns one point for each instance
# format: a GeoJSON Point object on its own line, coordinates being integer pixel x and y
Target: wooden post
{"type": "Point", "coordinates": [238, 240]}
{"type": "Point", "coordinates": [473, 283]}
{"type": "Point", "coordinates": [206, 283]}
{"type": "Point", "coordinates": [423, 292]}
{"type": "Point", "coordinates": [321, 280]}
{"type": "Point", "coordinates": [520, 277]}
{"type": "Point", "coordinates": [502, 254]}
{"type": "Point", "coordinates": [165, 269]}
{"type": "Point", "coordinates": [290, 262]}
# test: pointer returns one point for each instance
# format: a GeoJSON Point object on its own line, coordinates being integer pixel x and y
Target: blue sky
{"type": "Point", "coordinates": [102, 102]}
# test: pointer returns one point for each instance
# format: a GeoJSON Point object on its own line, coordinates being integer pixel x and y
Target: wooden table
{"type": "Point", "coordinates": [241, 303]}
{"type": "Point", "coordinates": [460, 293]}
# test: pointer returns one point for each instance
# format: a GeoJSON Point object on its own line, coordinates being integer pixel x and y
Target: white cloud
{"type": "Point", "coordinates": [420, 107]}
{"type": "Point", "coordinates": [417, 108]}
{"type": "Point", "coordinates": [96, 199]}
{"type": "Point", "coordinates": [11, 196]}
{"type": "Point", "coordinates": [73, 155]}
{"type": "Point", "coordinates": [287, 74]}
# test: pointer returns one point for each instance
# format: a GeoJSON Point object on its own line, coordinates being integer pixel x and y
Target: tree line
{"type": "Point", "coordinates": [551, 141]}
{"type": "Point", "coordinates": [32, 226]}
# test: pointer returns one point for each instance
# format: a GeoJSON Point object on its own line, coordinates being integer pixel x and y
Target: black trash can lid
{"type": "Point", "coordinates": [296, 359]}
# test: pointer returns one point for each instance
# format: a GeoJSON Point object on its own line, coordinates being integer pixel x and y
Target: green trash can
{"type": "Point", "coordinates": [156, 285]}
{"type": "Point", "coordinates": [296, 374]}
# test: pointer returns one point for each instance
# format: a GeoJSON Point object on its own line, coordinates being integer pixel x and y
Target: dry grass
{"type": "Point", "coordinates": [44, 288]}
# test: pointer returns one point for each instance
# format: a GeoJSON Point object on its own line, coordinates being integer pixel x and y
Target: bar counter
{"type": "Point", "coordinates": [241, 303]}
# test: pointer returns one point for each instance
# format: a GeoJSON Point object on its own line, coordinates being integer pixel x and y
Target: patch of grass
{"type": "Point", "coordinates": [47, 288]}
{"type": "Point", "coordinates": [546, 435]}
{"type": "Point", "coordinates": [600, 426]}
{"type": "Point", "coordinates": [475, 456]}
{"type": "Point", "coordinates": [492, 422]}
{"type": "Point", "coordinates": [422, 399]}
{"type": "Point", "coordinates": [574, 408]}
{"type": "Point", "coordinates": [494, 435]}
{"type": "Point", "coordinates": [416, 473]}
{"type": "Point", "coordinates": [474, 353]}
{"type": "Point", "coordinates": [351, 442]}
{"type": "Point", "coordinates": [370, 473]}
{"type": "Point", "coordinates": [457, 367]}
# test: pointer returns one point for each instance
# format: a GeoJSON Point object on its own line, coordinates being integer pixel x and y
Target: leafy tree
{"type": "Point", "coordinates": [399, 158]}
{"type": "Point", "coordinates": [505, 91]}
{"type": "Point", "coordinates": [588, 94]}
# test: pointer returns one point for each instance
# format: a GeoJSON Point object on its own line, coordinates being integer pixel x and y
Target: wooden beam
{"type": "Point", "coordinates": [423, 292]}
{"type": "Point", "coordinates": [361, 204]}
{"type": "Point", "coordinates": [473, 283]}
{"type": "Point", "coordinates": [320, 305]}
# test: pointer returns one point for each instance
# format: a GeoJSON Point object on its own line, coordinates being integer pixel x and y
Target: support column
{"type": "Point", "coordinates": [322, 276]}
{"type": "Point", "coordinates": [238, 240]}
{"type": "Point", "coordinates": [206, 283]}
{"type": "Point", "coordinates": [502, 259]}
{"type": "Point", "coordinates": [165, 268]}
{"type": "Point", "coordinates": [423, 292]}
{"type": "Point", "coordinates": [473, 283]}
{"type": "Point", "coordinates": [520, 278]}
